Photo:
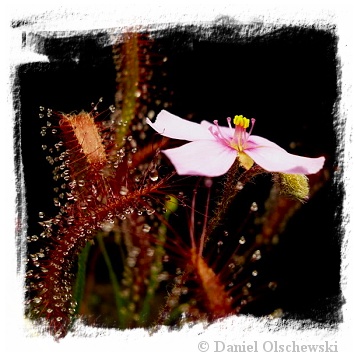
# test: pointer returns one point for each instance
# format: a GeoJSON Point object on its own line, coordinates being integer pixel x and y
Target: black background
{"type": "Point", "coordinates": [287, 79]}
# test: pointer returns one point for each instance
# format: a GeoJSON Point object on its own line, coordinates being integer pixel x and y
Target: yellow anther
{"type": "Point", "coordinates": [241, 121]}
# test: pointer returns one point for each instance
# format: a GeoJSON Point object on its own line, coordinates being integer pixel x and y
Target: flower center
{"type": "Point", "coordinates": [238, 136]}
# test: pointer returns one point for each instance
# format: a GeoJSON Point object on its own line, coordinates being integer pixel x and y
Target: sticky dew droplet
{"type": "Point", "coordinates": [107, 226]}
{"type": "Point", "coordinates": [256, 255]}
{"type": "Point", "coordinates": [272, 285]}
{"type": "Point", "coordinates": [146, 228]}
{"type": "Point", "coordinates": [154, 175]}
{"type": "Point", "coordinates": [151, 114]}
{"type": "Point", "coordinates": [131, 262]}
{"type": "Point", "coordinates": [150, 211]}
{"type": "Point", "coordinates": [239, 186]}
{"type": "Point", "coordinates": [83, 205]}
{"type": "Point", "coordinates": [254, 207]}
{"type": "Point", "coordinates": [150, 252]}
{"type": "Point", "coordinates": [123, 191]}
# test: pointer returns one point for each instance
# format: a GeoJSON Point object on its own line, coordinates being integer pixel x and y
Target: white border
{"type": "Point", "coordinates": [82, 16]}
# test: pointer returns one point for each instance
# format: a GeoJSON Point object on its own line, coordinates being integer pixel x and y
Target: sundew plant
{"type": "Point", "coordinates": [180, 176]}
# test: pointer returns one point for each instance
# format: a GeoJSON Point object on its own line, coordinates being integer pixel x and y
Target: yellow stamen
{"type": "Point", "coordinates": [239, 120]}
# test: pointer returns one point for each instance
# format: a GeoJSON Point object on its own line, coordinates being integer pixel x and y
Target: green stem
{"type": "Point", "coordinates": [153, 284]}
{"type": "Point", "coordinates": [119, 300]}
{"type": "Point", "coordinates": [128, 80]}
{"type": "Point", "coordinates": [157, 265]}
{"type": "Point", "coordinates": [81, 277]}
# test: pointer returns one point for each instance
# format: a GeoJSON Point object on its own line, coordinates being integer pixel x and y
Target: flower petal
{"type": "Point", "coordinates": [272, 157]}
{"type": "Point", "coordinates": [202, 158]}
{"type": "Point", "coordinates": [257, 141]}
{"type": "Point", "coordinates": [175, 127]}
{"type": "Point", "coordinates": [226, 131]}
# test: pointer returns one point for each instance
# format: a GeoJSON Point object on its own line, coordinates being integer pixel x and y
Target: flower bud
{"type": "Point", "coordinates": [293, 185]}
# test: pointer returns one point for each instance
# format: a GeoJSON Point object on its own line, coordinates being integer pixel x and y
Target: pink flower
{"type": "Point", "coordinates": [213, 149]}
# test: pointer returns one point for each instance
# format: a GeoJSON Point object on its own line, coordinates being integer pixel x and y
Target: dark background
{"type": "Point", "coordinates": [287, 79]}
